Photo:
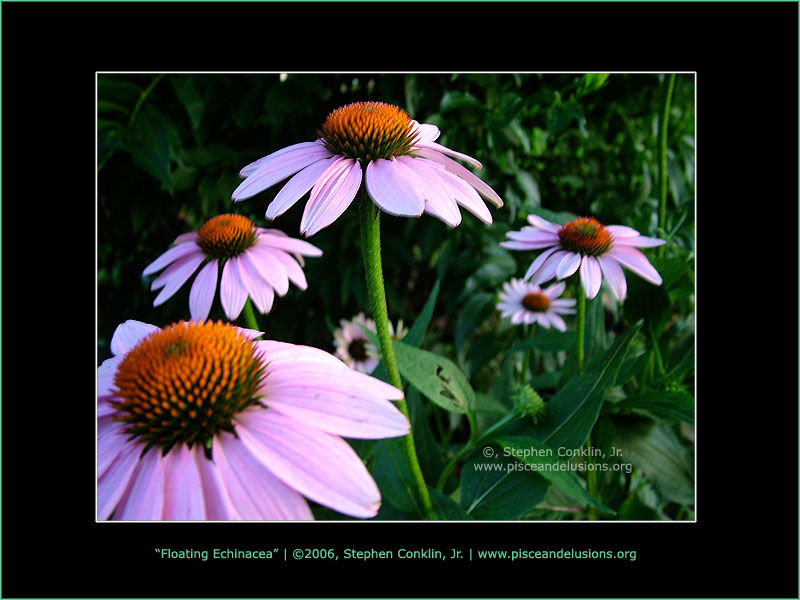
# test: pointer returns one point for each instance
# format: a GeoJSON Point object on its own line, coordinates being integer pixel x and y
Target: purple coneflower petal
{"type": "Point", "coordinates": [201, 296]}
{"type": "Point", "coordinates": [232, 293]}
{"type": "Point", "coordinates": [392, 189]}
{"type": "Point", "coordinates": [537, 264]}
{"type": "Point", "coordinates": [620, 232]}
{"type": "Point", "coordinates": [278, 166]}
{"type": "Point", "coordinates": [320, 466]}
{"type": "Point", "coordinates": [296, 187]}
{"type": "Point", "coordinates": [128, 334]}
{"type": "Point", "coordinates": [568, 265]}
{"type": "Point", "coordinates": [176, 275]}
{"type": "Point", "coordinates": [422, 143]}
{"type": "Point", "coordinates": [261, 261]}
{"type": "Point", "coordinates": [254, 490]}
{"type": "Point", "coordinates": [591, 277]}
{"type": "Point", "coordinates": [271, 239]}
{"type": "Point", "coordinates": [331, 195]}
{"type": "Point", "coordinates": [183, 488]}
{"type": "Point", "coordinates": [462, 172]}
{"type": "Point", "coordinates": [614, 275]}
{"type": "Point", "coordinates": [548, 267]}
{"type": "Point", "coordinates": [293, 270]}
{"type": "Point", "coordinates": [111, 440]}
{"type": "Point", "coordinates": [115, 480]}
{"type": "Point", "coordinates": [639, 241]}
{"type": "Point", "coordinates": [465, 194]}
{"type": "Point", "coordinates": [635, 261]}
{"type": "Point", "coordinates": [261, 294]}
{"type": "Point", "coordinates": [217, 500]}
{"type": "Point", "coordinates": [557, 321]}
{"type": "Point", "coordinates": [170, 256]}
{"type": "Point", "coordinates": [541, 223]}
{"type": "Point", "coordinates": [439, 200]}
{"type": "Point", "coordinates": [144, 498]}
{"type": "Point", "coordinates": [555, 290]}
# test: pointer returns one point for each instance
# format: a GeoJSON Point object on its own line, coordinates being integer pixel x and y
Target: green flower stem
{"type": "Point", "coordinates": [473, 443]}
{"type": "Point", "coordinates": [662, 157]}
{"type": "Point", "coordinates": [250, 316]}
{"type": "Point", "coordinates": [373, 268]}
{"type": "Point", "coordinates": [527, 358]}
{"type": "Point", "coordinates": [591, 476]}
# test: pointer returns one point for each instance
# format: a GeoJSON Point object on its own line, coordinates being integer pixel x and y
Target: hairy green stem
{"type": "Point", "coordinates": [580, 326]}
{"type": "Point", "coordinates": [250, 316]}
{"type": "Point", "coordinates": [373, 269]}
{"type": "Point", "coordinates": [662, 158]}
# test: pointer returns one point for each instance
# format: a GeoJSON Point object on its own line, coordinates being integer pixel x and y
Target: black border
{"type": "Point", "coordinates": [745, 56]}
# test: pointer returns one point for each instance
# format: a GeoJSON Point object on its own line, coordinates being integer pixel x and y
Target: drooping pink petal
{"type": "Point", "coordinates": [422, 143]}
{"type": "Point", "coordinates": [201, 296]}
{"type": "Point", "coordinates": [320, 466]}
{"type": "Point", "coordinates": [462, 172]}
{"type": "Point", "coordinates": [216, 498]}
{"type": "Point", "coordinates": [537, 264]}
{"type": "Point", "coordinates": [111, 440]}
{"type": "Point", "coordinates": [272, 239]}
{"type": "Point", "coordinates": [296, 187]}
{"type": "Point", "coordinates": [533, 236]}
{"type": "Point", "coordinates": [392, 189]}
{"type": "Point", "coordinates": [544, 224]}
{"type": "Point", "coordinates": [171, 256]}
{"type": "Point", "coordinates": [639, 241]}
{"type": "Point", "coordinates": [183, 488]}
{"type": "Point", "coordinates": [425, 131]}
{"type": "Point", "coordinates": [277, 167]}
{"type": "Point", "coordinates": [253, 489]}
{"type": "Point", "coordinates": [128, 334]}
{"type": "Point", "coordinates": [178, 272]}
{"type": "Point", "coordinates": [190, 236]}
{"type": "Point", "coordinates": [439, 201]}
{"type": "Point", "coordinates": [466, 196]}
{"type": "Point", "coordinates": [259, 290]}
{"type": "Point", "coordinates": [619, 232]}
{"type": "Point", "coordinates": [144, 498]}
{"type": "Point", "coordinates": [548, 267]}
{"type": "Point", "coordinates": [557, 321]}
{"type": "Point", "coordinates": [114, 482]}
{"type": "Point", "coordinates": [231, 291]}
{"type": "Point", "coordinates": [259, 260]}
{"type": "Point", "coordinates": [331, 195]}
{"type": "Point", "coordinates": [292, 267]}
{"type": "Point", "coordinates": [614, 275]}
{"type": "Point", "coordinates": [555, 290]}
{"type": "Point", "coordinates": [635, 261]}
{"type": "Point", "coordinates": [591, 277]}
{"type": "Point", "coordinates": [568, 265]}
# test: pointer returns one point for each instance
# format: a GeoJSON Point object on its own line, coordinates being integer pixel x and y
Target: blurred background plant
{"type": "Point", "coordinates": [559, 145]}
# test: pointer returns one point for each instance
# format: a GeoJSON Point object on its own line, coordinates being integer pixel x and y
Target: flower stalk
{"type": "Point", "coordinates": [376, 293]}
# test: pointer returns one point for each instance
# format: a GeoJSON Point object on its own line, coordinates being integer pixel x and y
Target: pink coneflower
{"type": "Point", "coordinates": [257, 262]}
{"type": "Point", "coordinates": [585, 244]}
{"type": "Point", "coordinates": [527, 303]}
{"type": "Point", "coordinates": [196, 421]}
{"type": "Point", "coordinates": [405, 171]}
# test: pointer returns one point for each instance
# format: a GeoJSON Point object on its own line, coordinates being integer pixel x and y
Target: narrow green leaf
{"type": "Point", "coordinates": [446, 508]}
{"type": "Point", "coordinates": [662, 405]}
{"type": "Point", "coordinates": [416, 334]}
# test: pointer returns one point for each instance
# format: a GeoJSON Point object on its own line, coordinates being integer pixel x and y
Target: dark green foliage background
{"type": "Point", "coordinates": [560, 145]}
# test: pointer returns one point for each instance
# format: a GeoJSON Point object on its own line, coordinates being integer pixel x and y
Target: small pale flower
{"type": "Point", "coordinates": [527, 303]}
{"type": "Point", "coordinates": [405, 172]}
{"type": "Point", "coordinates": [256, 263]}
{"type": "Point", "coordinates": [352, 344]}
{"type": "Point", "coordinates": [197, 421]}
{"type": "Point", "coordinates": [598, 251]}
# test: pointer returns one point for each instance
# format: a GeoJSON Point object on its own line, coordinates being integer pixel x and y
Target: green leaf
{"type": "Point", "coordinates": [394, 477]}
{"type": "Point", "coordinates": [447, 509]}
{"type": "Point", "coordinates": [661, 405]}
{"type": "Point", "coordinates": [591, 82]}
{"type": "Point", "coordinates": [550, 340]}
{"type": "Point", "coordinates": [475, 312]}
{"type": "Point", "coordinates": [552, 467]}
{"type": "Point", "coordinates": [660, 455]}
{"type": "Point", "coordinates": [416, 334]}
{"type": "Point", "coordinates": [493, 490]}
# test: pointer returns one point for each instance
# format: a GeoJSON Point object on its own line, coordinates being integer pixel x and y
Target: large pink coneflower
{"type": "Point", "coordinates": [196, 421]}
{"type": "Point", "coordinates": [404, 170]}
{"type": "Point", "coordinates": [527, 303]}
{"type": "Point", "coordinates": [598, 251]}
{"type": "Point", "coordinates": [258, 263]}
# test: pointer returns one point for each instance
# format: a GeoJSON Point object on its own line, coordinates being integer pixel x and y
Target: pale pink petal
{"type": "Point", "coordinates": [392, 189]}
{"type": "Point", "coordinates": [636, 262]}
{"type": "Point", "coordinates": [114, 481]}
{"type": "Point", "coordinates": [528, 245]}
{"type": "Point", "coordinates": [278, 166]}
{"type": "Point", "coordinates": [283, 353]}
{"type": "Point", "coordinates": [331, 195]}
{"type": "Point", "coordinates": [320, 466]}
{"type": "Point", "coordinates": [557, 321]}
{"type": "Point", "coordinates": [216, 499]}
{"type": "Point", "coordinates": [462, 172]}
{"type": "Point", "coordinates": [425, 131]}
{"type": "Point", "coordinates": [568, 265]}
{"type": "Point", "coordinates": [104, 406]}
{"type": "Point", "coordinates": [541, 223]}
{"type": "Point", "coordinates": [171, 256]}
{"type": "Point", "coordinates": [423, 143]}
{"type": "Point", "coordinates": [263, 262]}
{"type": "Point", "coordinates": [183, 488]}
{"type": "Point", "coordinates": [439, 200]}
{"type": "Point", "coordinates": [111, 441]}
{"type": "Point", "coordinates": [272, 239]}
{"type": "Point", "coordinates": [640, 241]}
{"type": "Point", "coordinates": [290, 265]}
{"type": "Point", "coordinates": [190, 236]}
{"type": "Point", "coordinates": [259, 290]}
{"type": "Point", "coordinates": [614, 275]}
{"type": "Point", "coordinates": [127, 335]}
{"type": "Point", "coordinates": [253, 489]}
{"type": "Point", "coordinates": [144, 499]}
{"type": "Point", "coordinates": [531, 235]}
{"type": "Point", "coordinates": [621, 231]}
{"type": "Point", "coordinates": [201, 296]}
{"type": "Point", "coordinates": [296, 187]}
{"type": "Point", "coordinates": [537, 263]}
{"type": "Point", "coordinates": [466, 195]}
{"type": "Point", "coordinates": [555, 290]}
{"type": "Point", "coordinates": [231, 291]}
{"type": "Point", "coordinates": [547, 269]}
{"type": "Point", "coordinates": [591, 277]}
{"type": "Point", "coordinates": [179, 272]}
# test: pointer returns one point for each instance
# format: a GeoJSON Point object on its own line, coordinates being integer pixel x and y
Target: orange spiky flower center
{"type": "Point", "coordinates": [536, 302]}
{"type": "Point", "coordinates": [367, 131]}
{"type": "Point", "coordinates": [585, 235]}
{"type": "Point", "coordinates": [226, 236]}
{"type": "Point", "coordinates": [186, 382]}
